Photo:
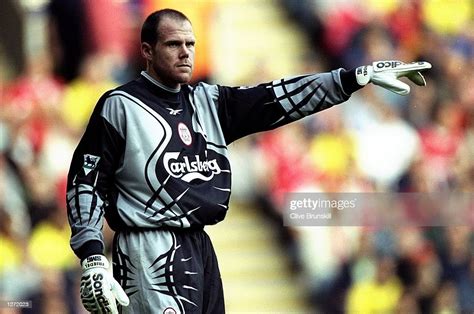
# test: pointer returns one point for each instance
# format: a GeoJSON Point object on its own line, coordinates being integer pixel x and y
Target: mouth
{"type": "Point", "coordinates": [184, 66]}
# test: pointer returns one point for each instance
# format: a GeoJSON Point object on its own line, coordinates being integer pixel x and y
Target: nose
{"type": "Point", "coordinates": [185, 51]}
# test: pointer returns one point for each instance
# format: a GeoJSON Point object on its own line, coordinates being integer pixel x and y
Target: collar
{"type": "Point", "coordinates": [160, 85]}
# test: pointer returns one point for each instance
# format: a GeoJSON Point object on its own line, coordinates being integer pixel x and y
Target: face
{"type": "Point", "coordinates": [171, 59]}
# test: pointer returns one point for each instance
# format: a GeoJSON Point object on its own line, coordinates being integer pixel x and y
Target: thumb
{"type": "Point", "coordinates": [119, 294]}
{"type": "Point", "coordinates": [417, 78]}
{"type": "Point", "coordinates": [412, 71]}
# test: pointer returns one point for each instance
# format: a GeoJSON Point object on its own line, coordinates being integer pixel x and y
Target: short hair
{"type": "Point", "coordinates": [149, 33]}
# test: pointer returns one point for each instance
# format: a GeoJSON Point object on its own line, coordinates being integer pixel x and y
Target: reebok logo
{"type": "Point", "coordinates": [190, 168]}
{"type": "Point", "coordinates": [174, 112]}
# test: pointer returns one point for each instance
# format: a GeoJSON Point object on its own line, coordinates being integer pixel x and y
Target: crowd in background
{"type": "Point", "coordinates": [381, 143]}
{"type": "Point", "coordinates": [377, 142]}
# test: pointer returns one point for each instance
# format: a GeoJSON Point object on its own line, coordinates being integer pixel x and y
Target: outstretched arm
{"type": "Point", "coordinates": [247, 110]}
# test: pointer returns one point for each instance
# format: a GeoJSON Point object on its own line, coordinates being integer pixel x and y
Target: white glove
{"type": "Point", "coordinates": [99, 289]}
{"type": "Point", "coordinates": [387, 74]}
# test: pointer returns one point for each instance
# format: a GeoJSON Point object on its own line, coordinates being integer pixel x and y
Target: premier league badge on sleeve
{"type": "Point", "coordinates": [90, 163]}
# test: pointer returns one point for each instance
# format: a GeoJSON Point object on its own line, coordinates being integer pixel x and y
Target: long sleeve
{"type": "Point", "coordinates": [247, 110]}
{"type": "Point", "coordinates": [90, 178]}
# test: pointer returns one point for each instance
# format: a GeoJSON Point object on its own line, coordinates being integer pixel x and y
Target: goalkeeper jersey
{"type": "Point", "coordinates": [153, 157]}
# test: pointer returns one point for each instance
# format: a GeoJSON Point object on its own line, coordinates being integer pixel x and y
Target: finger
{"type": "Point", "coordinates": [391, 83]}
{"type": "Point", "coordinates": [414, 66]}
{"type": "Point", "coordinates": [119, 294]}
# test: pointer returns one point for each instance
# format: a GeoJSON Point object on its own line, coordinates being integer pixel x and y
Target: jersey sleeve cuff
{"type": "Point", "coordinates": [349, 81]}
{"type": "Point", "coordinates": [90, 248]}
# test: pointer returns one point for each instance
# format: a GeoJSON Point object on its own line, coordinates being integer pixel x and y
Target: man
{"type": "Point", "coordinates": [154, 162]}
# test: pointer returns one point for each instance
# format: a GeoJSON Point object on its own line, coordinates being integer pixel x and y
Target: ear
{"type": "Point", "coordinates": [147, 51]}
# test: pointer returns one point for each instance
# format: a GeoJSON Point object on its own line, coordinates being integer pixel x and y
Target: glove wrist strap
{"type": "Point", "coordinates": [364, 74]}
{"type": "Point", "coordinates": [95, 261]}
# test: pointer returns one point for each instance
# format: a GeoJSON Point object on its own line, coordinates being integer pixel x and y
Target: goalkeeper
{"type": "Point", "coordinates": [153, 161]}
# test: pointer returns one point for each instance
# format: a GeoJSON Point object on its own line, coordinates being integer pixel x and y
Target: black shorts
{"type": "Point", "coordinates": [168, 271]}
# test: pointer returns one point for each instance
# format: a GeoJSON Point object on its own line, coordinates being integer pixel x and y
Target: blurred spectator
{"type": "Point", "coordinates": [110, 35]}
{"type": "Point", "coordinates": [17, 278]}
{"type": "Point", "coordinates": [456, 257]}
{"type": "Point", "coordinates": [12, 251]}
{"type": "Point", "coordinates": [56, 263]}
{"type": "Point", "coordinates": [12, 43]}
{"type": "Point", "coordinates": [31, 107]}
{"type": "Point", "coordinates": [407, 304]}
{"type": "Point", "coordinates": [32, 102]}
{"type": "Point", "coordinates": [323, 251]}
{"type": "Point", "coordinates": [80, 96]}
{"type": "Point", "coordinates": [332, 150]}
{"type": "Point", "coordinates": [372, 42]}
{"type": "Point", "coordinates": [447, 17]}
{"type": "Point", "coordinates": [418, 267]}
{"type": "Point", "coordinates": [419, 110]}
{"type": "Point", "coordinates": [405, 24]}
{"type": "Point", "coordinates": [53, 229]}
{"type": "Point", "coordinates": [465, 287]}
{"type": "Point", "coordinates": [51, 297]}
{"type": "Point", "coordinates": [464, 160]}
{"type": "Point", "coordinates": [284, 168]}
{"type": "Point", "coordinates": [446, 299]}
{"type": "Point", "coordinates": [12, 200]}
{"type": "Point", "coordinates": [310, 19]}
{"type": "Point", "coordinates": [380, 294]}
{"type": "Point", "coordinates": [341, 23]}
{"type": "Point", "coordinates": [440, 142]}
{"type": "Point", "coordinates": [288, 167]}
{"type": "Point", "coordinates": [386, 149]}
{"type": "Point", "coordinates": [67, 36]}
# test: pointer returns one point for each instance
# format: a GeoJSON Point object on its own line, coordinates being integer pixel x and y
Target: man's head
{"type": "Point", "coordinates": [167, 44]}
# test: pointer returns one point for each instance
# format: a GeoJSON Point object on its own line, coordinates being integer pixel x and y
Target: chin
{"type": "Point", "coordinates": [184, 79]}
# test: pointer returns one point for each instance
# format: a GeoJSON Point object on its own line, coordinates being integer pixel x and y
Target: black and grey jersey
{"type": "Point", "coordinates": [152, 157]}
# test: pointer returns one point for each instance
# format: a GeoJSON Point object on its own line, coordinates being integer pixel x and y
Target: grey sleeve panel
{"type": "Point", "coordinates": [86, 225]}
{"type": "Point", "coordinates": [304, 95]}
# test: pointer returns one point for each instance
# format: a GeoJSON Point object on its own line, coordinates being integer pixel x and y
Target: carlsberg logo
{"type": "Point", "coordinates": [190, 168]}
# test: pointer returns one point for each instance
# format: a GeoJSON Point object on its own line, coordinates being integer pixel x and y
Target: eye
{"type": "Point", "coordinates": [173, 44]}
{"type": "Point", "coordinates": [190, 44]}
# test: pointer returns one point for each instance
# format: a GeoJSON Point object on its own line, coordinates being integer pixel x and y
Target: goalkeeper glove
{"type": "Point", "coordinates": [99, 289]}
{"type": "Point", "coordinates": [387, 74]}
